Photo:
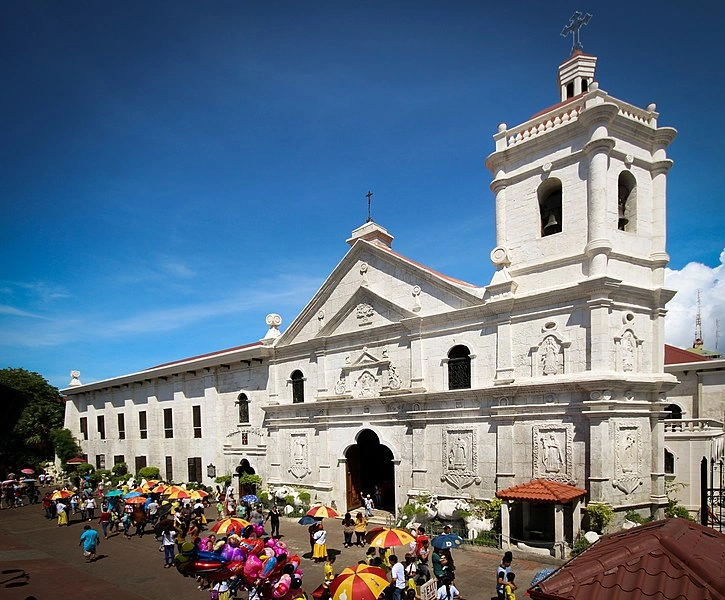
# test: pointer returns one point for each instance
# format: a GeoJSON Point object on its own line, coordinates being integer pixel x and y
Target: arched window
{"type": "Point", "coordinates": [243, 403]}
{"type": "Point", "coordinates": [669, 462]}
{"type": "Point", "coordinates": [550, 212]}
{"type": "Point", "coordinates": [298, 386]}
{"type": "Point", "coordinates": [459, 368]}
{"type": "Point", "coordinates": [673, 411]}
{"type": "Point", "coordinates": [626, 202]}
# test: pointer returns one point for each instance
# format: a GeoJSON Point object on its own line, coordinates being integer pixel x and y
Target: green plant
{"type": "Point", "coordinates": [580, 544]}
{"type": "Point", "coordinates": [119, 469]}
{"type": "Point", "coordinates": [674, 508]}
{"type": "Point", "coordinates": [247, 480]}
{"type": "Point", "coordinates": [84, 469]}
{"type": "Point", "coordinates": [264, 497]}
{"type": "Point", "coordinates": [487, 538]}
{"type": "Point", "coordinates": [289, 500]}
{"type": "Point", "coordinates": [224, 480]}
{"type": "Point", "coordinates": [304, 497]}
{"type": "Point", "coordinates": [600, 515]}
{"type": "Point", "coordinates": [149, 473]}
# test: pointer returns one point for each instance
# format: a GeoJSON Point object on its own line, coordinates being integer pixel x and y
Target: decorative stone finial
{"type": "Point", "coordinates": [274, 321]}
{"type": "Point", "coordinates": [75, 379]}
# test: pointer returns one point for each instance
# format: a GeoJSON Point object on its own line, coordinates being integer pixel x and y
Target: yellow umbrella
{"type": "Point", "coordinates": [199, 494]}
{"type": "Point", "coordinates": [361, 582]}
{"type": "Point", "coordinates": [323, 512]}
{"type": "Point", "coordinates": [61, 495]}
{"type": "Point", "coordinates": [388, 538]}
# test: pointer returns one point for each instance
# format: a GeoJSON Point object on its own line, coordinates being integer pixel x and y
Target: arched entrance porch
{"type": "Point", "coordinates": [369, 470]}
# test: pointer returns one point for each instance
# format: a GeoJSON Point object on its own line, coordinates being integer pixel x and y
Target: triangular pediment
{"type": "Point", "coordinates": [374, 287]}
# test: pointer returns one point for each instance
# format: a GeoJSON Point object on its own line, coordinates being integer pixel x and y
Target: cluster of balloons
{"type": "Point", "coordinates": [249, 561]}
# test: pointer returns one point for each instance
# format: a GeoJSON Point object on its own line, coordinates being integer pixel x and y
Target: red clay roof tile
{"type": "Point", "coordinates": [542, 490]}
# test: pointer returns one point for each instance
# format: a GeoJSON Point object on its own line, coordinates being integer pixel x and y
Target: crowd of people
{"type": "Point", "coordinates": [179, 527]}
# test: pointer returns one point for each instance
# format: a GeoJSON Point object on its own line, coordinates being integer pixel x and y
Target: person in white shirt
{"type": "Point", "coordinates": [397, 577]}
{"type": "Point", "coordinates": [446, 591]}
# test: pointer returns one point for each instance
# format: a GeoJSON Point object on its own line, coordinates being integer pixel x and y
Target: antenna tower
{"type": "Point", "coordinates": [698, 324]}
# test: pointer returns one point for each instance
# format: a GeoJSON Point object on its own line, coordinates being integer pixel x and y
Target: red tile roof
{"type": "Point", "coordinates": [673, 559]}
{"type": "Point", "coordinates": [542, 490]}
{"type": "Point", "coordinates": [675, 356]}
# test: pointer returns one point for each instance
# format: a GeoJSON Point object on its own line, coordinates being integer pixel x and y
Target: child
{"type": "Point", "coordinates": [509, 588]}
{"type": "Point", "coordinates": [329, 570]}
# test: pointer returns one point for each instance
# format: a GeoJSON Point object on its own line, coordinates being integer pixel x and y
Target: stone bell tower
{"type": "Point", "coordinates": [578, 294]}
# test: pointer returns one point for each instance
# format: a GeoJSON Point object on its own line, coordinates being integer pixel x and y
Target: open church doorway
{"type": "Point", "coordinates": [370, 471]}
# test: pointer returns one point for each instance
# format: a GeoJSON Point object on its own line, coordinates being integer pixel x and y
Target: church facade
{"type": "Point", "coordinates": [400, 380]}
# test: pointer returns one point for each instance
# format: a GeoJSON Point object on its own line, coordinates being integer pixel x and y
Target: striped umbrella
{"type": "Point", "coordinates": [161, 488]}
{"type": "Point", "coordinates": [179, 494]}
{"type": "Point", "coordinates": [61, 495]}
{"type": "Point", "coordinates": [136, 500]}
{"type": "Point", "coordinates": [361, 582]}
{"type": "Point", "coordinates": [388, 538]}
{"type": "Point", "coordinates": [199, 494]}
{"type": "Point", "coordinates": [323, 512]}
{"type": "Point", "coordinates": [230, 525]}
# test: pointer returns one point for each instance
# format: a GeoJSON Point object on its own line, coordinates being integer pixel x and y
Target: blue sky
{"type": "Point", "coordinates": [172, 172]}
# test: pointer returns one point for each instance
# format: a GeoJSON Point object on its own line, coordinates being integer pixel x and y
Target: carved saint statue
{"type": "Point", "coordinates": [628, 352]}
{"type": "Point", "coordinates": [552, 454]}
{"type": "Point", "coordinates": [550, 357]}
{"type": "Point", "coordinates": [299, 450]}
{"type": "Point", "coordinates": [458, 455]}
{"type": "Point", "coordinates": [629, 454]}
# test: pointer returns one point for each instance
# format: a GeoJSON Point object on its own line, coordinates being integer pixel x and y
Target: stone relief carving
{"type": "Point", "coordinates": [626, 346]}
{"type": "Point", "coordinates": [364, 274]}
{"type": "Point", "coordinates": [460, 457]}
{"type": "Point", "coordinates": [368, 375]}
{"type": "Point", "coordinates": [552, 452]}
{"type": "Point", "coordinates": [548, 356]}
{"type": "Point", "coordinates": [627, 456]}
{"type": "Point", "coordinates": [365, 313]}
{"type": "Point", "coordinates": [299, 466]}
{"type": "Point", "coordinates": [416, 298]}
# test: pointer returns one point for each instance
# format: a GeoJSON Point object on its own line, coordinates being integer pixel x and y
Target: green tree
{"type": "Point", "coordinates": [65, 444]}
{"type": "Point", "coordinates": [32, 408]}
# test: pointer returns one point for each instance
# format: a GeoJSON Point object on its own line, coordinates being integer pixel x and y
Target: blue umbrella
{"type": "Point", "coordinates": [308, 520]}
{"type": "Point", "coordinates": [250, 498]}
{"type": "Point", "coordinates": [541, 575]}
{"type": "Point", "coordinates": [113, 493]}
{"type": "Point", "coordinates": [131, 495]}
{"type": "Point", "coordinates": [447, 540]}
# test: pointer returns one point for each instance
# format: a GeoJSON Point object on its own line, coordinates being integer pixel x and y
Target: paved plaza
{"type": "Point", "coordinates": [40, 560]}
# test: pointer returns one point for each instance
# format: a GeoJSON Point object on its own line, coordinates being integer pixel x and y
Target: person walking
{"type": "Point", "coordinates": [168, 542]}
{"type": "Point", "coordinates": [319, 552]}
{"type": "Point", "coordinates": [105, 520]}
{"type": "Point", "coordinates": [369, 505]}
{"type": "Point", "coordinates": [348, 528]}
{"type": "Point", "coordinates": [273, 518]}
{"type": "Point", "coordinates": [361, 525]}
{"type": "Point", "coordinates": [89, 540]}
{"type": "Point", "coordinates": [397, 577]}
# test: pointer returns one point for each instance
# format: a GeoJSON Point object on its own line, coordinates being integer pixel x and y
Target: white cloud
{"type": "Point", "coordinates": [682, 309]}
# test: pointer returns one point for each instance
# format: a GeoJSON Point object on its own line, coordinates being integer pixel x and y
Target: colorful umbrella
{"type": "Point", "coordinates": [160, 488]}
{"type": "Point", "coordinates": [388, 538]}
{"type": "Point", "coordinates": [133, 494]}
{"type": "Point", "coordinates": [136, 500]}
{"type": "Point", "coordinates": [199, 494]}
{"type": "Point", "coordinates": [307, 520]}
{"type": "Point", "coordinates": [230, 525]}
{"type": "Point", "coordinates": [179, 494]}
{"type": "Point", "coordinates": [61, 495]}
{"type": "Point", "coordinates": [361, 582]}
{"type": "Point", "coordinates": [27, 471]}
{"type": "Point", "coordinates": [251, 498]}
{"type": "Point", "coordinates": [114, 493]}
{"type": "Point", "coordinates": [324, 512]}
{"type": "Point", "coordinates": [447, 540]}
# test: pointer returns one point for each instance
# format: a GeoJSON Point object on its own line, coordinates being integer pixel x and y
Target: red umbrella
{"type": "Point", "coordinates": [136, 500]}
{"type": "Point", "coordinates": [27, 471]}
{"type": "Point", "coordinates": [323, 512]}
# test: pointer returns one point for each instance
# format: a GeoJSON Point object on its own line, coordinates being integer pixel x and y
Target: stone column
{"type": "Point", "coordinates": [576, 516]}
{"type": "Point", "coordinates": [505, 526]}
{"type": "Point", "coordinates": [504, 360]}
{"type": "Point", "coordinates": [504, 455]}
{"type": "Point", "coordinates": [499, 190]}
{"type": "Point", "coordinates": [601, 460]}
{"type": "Point", "coordinates": [600, 339]}
{"type": "Point", "coordinates": [321, 372]}
{"type": "Point", "coordinates": [559, 540]}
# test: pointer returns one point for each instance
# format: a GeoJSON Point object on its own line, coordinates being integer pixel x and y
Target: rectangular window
{"type": "Point", "coordinates": [140, 463]}
{"type": "Point", "coordinates": [118, 458]}
{"type": "Point", "coordinates": [84, 427]}
{"type": "Point", "coordinates": [101, 421]}
{"type": "Point", "coordinates": [196, 418]}
{"type": "Point", "coordinates": [100, 461]}
{"type": "Point", "coordinates": [169, 469]}
{"type": "Point", "coordinates": [195, 469]}
{"type": "Point", "coordinates": [245, 438]}
{"type": "Point", "coordinates": [121, 426]}
{"type": "Point", "coordinates": [142, 428]}
{"type": "Point", "coordinates": [168, 423]}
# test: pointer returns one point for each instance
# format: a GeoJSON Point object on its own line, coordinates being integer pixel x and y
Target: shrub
{"type": "Point", "coordinates": [304, 497]}
{"type": "Point", "coordinates": [580, 544]}
{"type": "Point", "coordinates": [149, 473]}
{"type": "Point", "coordinates": [600, 515]}
{"type": "Point", "coordinates": [84, 469]}
{"type": "Point", "coordinates": [120, 469]}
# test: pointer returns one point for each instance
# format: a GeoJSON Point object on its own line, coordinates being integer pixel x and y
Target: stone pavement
{"type": "Point", "coordinates": [39, 560]}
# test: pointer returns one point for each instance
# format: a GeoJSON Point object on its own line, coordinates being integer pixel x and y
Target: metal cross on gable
{"type": "Point", "coordinates": [369, 195]}
{"type": "Point", "coordinates": [577, 21]}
